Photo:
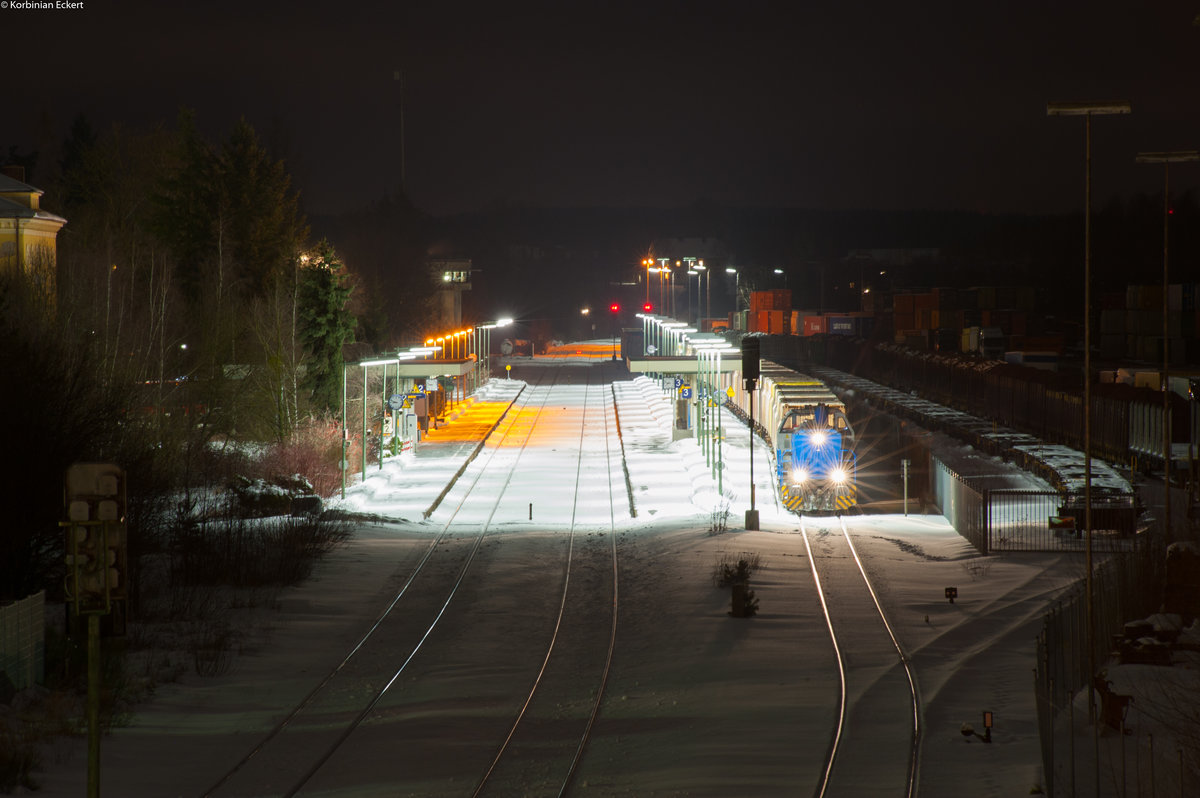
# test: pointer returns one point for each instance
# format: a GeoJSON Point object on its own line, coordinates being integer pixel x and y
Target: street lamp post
{"type": "Point", "coordinates": [664, 268]}
{"type": "Point", "coordinates": [1166, 159]}
{"type": "Point", "coordinates": [689, 267]}
{"type": "Point", "coordinates": [671, 289]}
{"type": "Point", "coordinates": [736, 292]}
{"type": "Point", "coordinates": [696, 316]}
{"type": "Point", "coordinates": [1087, 110]}
{"type": "Point", "coordinates": [484, 333]}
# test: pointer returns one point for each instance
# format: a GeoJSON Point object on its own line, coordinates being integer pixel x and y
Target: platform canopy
{"type": "Point", "coordinates": [679, 365]}
{"type": "Point", "coordinates": [416, 363]}
{"type": "Point", "coordinates": [680, 349]}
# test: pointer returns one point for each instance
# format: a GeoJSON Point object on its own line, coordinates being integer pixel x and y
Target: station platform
{"type": "Point", "coordinates": [409, 486]}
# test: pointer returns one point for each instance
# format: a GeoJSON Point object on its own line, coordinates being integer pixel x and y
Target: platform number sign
{"type": "Point", "coordinates": [687, 393]}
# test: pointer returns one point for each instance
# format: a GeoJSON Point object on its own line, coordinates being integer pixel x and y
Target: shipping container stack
{"type": "Point", "coordinates": [771, 311]}
{"type": "Point", "coordinates": [1133, 329]}
{"type": "Point", "coordinates": [952, 319]}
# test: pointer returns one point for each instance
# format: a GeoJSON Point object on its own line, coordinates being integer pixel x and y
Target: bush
{"type": "Point", "coordinates": [313, 452]}
{"type": "Point", "coordinates": [720, 518]}
{"type": "Point", "coordinates": [19, 758]}
{"type": "Point", "coordinates": [735, 574]}
{"type": "Point", "coordinates": [239, 552]}
{"type": "Point", "coordinates": [736, 568]}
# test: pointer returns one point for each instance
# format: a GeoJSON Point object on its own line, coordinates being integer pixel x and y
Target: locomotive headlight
{"type": "Point", "coordinates": [838, 476]}
{"type": "Point", "coordinates": [818, 438]}
{"type": "Point", "coordinates": [800, 475]}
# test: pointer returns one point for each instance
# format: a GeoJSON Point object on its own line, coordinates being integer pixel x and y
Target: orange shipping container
{"type": "Point", "coordinates": [947, 299]}
{"type": "Point", "coordinates": [772, 299]}
{"type": "Point", "coordinates": [769, 321]}
{"type": "Point", "coordinates": [923, 302]}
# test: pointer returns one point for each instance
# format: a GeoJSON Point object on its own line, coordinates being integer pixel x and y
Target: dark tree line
{"type": "Point", "coordinates": [190, 309]}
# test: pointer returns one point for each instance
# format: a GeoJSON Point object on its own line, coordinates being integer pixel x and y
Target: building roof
{"type": "Point", "coordinates": [17, 201]}
{"type": "Point", "coordinates": [15, 210]}
{"type": "Point", "coordinates": [10, 185]}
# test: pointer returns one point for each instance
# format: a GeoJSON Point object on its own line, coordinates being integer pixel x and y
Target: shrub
{"type": "Point", "coordinates": [18, 760]}
{"type": "Point", "coordinates": [314, 452]}
{"type": "Point", "coordinates": [729, 570]}
{"type": "Point", "coordinates": [720, 518]}
{"type": "Point", "coordinates": [239, 552]}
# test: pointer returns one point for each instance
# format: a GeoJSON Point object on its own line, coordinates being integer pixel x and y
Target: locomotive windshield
{"type": "Point", "coordinates": [814, 416]}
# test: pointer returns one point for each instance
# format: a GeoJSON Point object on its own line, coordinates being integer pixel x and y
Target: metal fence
{"type": "Point", "coordinates": [1019, 520]}
{"type": "Point", "coordinates": [1029, 520]}
{"type": "Point", "coordinates": [1086, 748]}
{"type": "Point", "coordinates": [22, 641]}
{"type": "Point", "coordinates": [962, 505]}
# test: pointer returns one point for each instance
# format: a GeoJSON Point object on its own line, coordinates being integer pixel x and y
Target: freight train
{"type": "Point", "coordinates": [806, 425]}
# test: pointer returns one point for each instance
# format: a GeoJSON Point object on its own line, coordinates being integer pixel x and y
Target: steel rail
{"type": "Point", "coordinates": [831, 753]}
{"type": "Point", "coordinates": [612, 638]}
{"type": "Point", "coordinates": [554, 637]}
{"type": "Point", "coordinates": [915, 743]}
{"type": "Point", "coordinates": [362, 716]}
{"type": "Point", "coordinates": [280, 726]}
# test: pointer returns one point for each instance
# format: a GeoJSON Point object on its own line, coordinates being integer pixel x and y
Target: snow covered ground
{"type": "Point", "coordinates": [699, 703]}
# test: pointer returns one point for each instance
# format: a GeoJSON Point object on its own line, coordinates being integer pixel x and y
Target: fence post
{"type": "Point", "coordinates": [987, 522]}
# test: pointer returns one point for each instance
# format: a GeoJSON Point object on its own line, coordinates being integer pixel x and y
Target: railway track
{"type": "Point", "coordinates": [878, 699]}
{"type": "Point", "coordinates": [550, 733]}
{"type": "Point", "coordinates": [296, 747]}
{"type": "Point", "coordinates": [290, 757]}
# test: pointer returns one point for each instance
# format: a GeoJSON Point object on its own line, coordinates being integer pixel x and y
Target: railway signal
{"type": "Point", "coordinates": [750, 373]}
{"type": "Point", "coordinates": [96, 553]}
{"type": "Point", "coordinates": [94, 499]}
{"type": "Point", "coordinates": [615, 308]}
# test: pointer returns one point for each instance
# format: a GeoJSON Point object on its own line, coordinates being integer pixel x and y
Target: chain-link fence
{"type": "Point", "coordinates": [1029, 520]}
{"type": "Point", "coordinates": [962, 505]}
{"type": "Point", "coordinates": [22, 641]}
{"type": "Point", "coordinates": [1088, 745]}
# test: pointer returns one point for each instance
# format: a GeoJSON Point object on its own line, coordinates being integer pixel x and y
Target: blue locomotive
{"type": "Point", "coordinates": [806, 425]}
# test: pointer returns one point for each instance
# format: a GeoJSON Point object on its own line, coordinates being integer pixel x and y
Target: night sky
{"type": "Point", "coordinates": [855, 105]}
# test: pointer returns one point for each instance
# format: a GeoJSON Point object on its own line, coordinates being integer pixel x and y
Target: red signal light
{"type": "Point", "coordinates": [614, 307]}
{"type": "Point", "coordinates": [647, 307]}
